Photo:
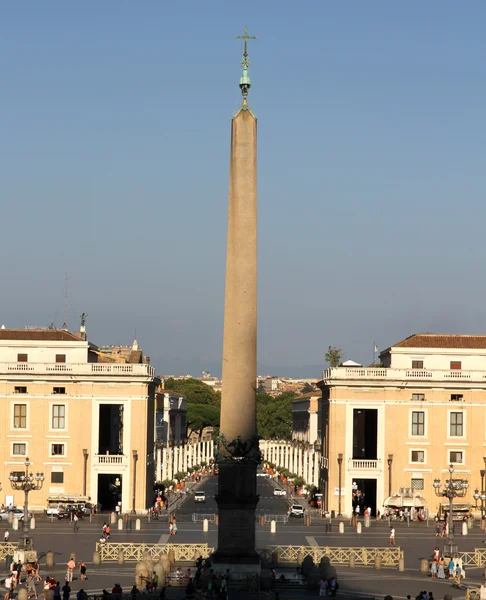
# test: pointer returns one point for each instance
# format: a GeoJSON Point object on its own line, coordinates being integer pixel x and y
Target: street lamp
{"type": "Point", "coordinates": [26, 482]}
{"type": "Point", "coordinates": [340, 464]}
{"type": "Point", "coordinates": [390, 462]}
{"type": "Point", "coordinates": [453, 488]}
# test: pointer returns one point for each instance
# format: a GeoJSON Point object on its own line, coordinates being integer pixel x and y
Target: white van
{"type": "Point", "coordinates": [200, 497]}
{"type": "Point", "coordinates": [296, 510]}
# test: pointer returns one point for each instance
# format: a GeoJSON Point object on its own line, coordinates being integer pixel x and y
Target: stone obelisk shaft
{"type": "Point", "coordinates": [238, 409]}
{"type": "Point", "coordinates": [237, 496]}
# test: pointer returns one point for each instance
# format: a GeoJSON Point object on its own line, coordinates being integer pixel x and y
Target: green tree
{"type": "Point", "coordinates": [194, 390]}
{"type": "Point", "coordinates": [334, 356]}
{"type": "Point", "coordinates": [274, 419]}
{"type": "Point", "coordinates": [200, 416]}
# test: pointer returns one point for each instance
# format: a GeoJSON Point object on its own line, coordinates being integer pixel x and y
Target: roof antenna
{"type": "Point", "coordinates": [64, 325]}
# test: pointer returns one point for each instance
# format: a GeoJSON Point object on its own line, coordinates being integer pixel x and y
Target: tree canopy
{"type": "Point", "coordinates": [274, 416]}
{"type": "Point", "coordinates": [196, 391]}
{"type": "Point", "coordinates": [200, 416]}
{"type": "Point", "coordinates": [334, 356]}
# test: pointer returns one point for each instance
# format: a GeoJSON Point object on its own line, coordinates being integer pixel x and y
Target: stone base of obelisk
{"type": "Point", "coordinates": [237, 500]}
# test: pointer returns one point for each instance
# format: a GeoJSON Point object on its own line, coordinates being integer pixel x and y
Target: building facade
{"type": "Point", "coordinates": [401, 425]}
{"type": "Point", "coordinates": [83, 418]}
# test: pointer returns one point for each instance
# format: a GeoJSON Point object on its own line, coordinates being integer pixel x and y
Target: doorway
{"type": "Point", "coordinates": [364, 495]}
{"type": "Point", "coordinates": [109, 490]}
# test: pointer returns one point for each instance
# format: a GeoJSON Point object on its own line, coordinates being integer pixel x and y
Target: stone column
{"type": "Point", "coordinates": [237, 490]}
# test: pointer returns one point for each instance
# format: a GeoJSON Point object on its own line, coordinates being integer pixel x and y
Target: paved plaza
{"type": "Point", "coordinates": [417, 542]}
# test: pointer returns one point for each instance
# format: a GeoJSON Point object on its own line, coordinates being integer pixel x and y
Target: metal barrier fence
{"type": "Point", "coordinates": [7, 549]}
{"type": "Point", "coordinates": [474, 559]}
{"type": "Point", "coordinates": [336, 556]}
{"type": "Point", "coordinates": [196, 517]}
{"type": "Point", "coordinates": [133, 551]}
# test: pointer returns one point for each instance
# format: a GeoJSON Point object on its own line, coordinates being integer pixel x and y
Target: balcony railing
{"type": "Point", "coordinates": [358, 374]}
{"type": "Point", "coordinates": [111, 459]}
{"type": "Point", "coordinates": [364, 463]}
{"type": "Point", "coordinates": [77, 369]}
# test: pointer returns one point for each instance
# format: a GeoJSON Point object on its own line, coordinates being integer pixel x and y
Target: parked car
{"type": "Point", "coordinates": [200, 497]}
{"type": "Point", "coordinates": [279, 492]}
{"type": "Point", "coordinates": [296, 510]}
{"type": "Point", "coordinates": [65, 513]}
{"type": "Point", "coordinates": [262, 474]}
{"type": "Point", "coordinates": [18, 513]}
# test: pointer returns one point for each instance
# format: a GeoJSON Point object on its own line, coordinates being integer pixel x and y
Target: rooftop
{"type": "Point", "coordinates": [40, 335]}
{"type": "Point", "coordinates": [443, 340]}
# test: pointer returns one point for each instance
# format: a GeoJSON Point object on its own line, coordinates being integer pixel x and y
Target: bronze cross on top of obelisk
{"type": "Point", "coordinates": [246, 37]}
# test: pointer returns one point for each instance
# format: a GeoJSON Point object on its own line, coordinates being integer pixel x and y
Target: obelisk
{"type": "Point", "coordinates": [238, 450]}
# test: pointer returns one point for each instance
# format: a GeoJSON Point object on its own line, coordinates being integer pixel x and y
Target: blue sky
{"type": "Point", "coordinates": [114, 168]}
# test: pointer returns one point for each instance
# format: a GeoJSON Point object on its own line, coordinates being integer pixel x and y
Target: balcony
{"type": "Point", "coordinates": [364, 464]}
{"type": "Point", "coordinates": [88, 369]}
{"type": "Point", "coordinates": [358, 374]}
{"type": "Point", "coordinates": [111, 459]}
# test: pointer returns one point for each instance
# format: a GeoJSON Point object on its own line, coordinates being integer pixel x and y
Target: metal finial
{"type": "Point", "coordinates": [245, 83]}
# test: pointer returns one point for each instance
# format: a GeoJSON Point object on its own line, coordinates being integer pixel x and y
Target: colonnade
{"type": "Point", "coordinates": [303, 460]}
{"type": "Point", "coordinates": [175, 459]}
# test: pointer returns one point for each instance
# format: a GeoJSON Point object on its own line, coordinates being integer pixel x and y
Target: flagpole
{"type": "Point", "coordinates": [374, 353]}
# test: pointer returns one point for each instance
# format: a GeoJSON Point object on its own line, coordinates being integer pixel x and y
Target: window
{"type": "Point", "coordinates": [418, 456]}
{"type": "Point", "coordinates": [418, 397]}
{"type": "Point", "coordinates": [456, 365]}
{"type": "Point", "coordinates": [20, 389]}
{"type": "Point", "coordinates": [19, 449]}
{"type": "Point", "coordinates": [456, 424]}
{"type": "Point", "coordinates": [58, 416]}
{"type": "Point", "coordinates": [57, 449]}
{"type": "Point", "coordinates": [20, 416]}
{"type": "Point", "coordinates": [59, 390]}
{"type": "Point", "coordinates": [456, 456]}
{"type": "Point", "coordinates": [417, 484]}
{"type": "Point", "coordinates": [457, 398]}
{"type": "Point", "coordinates": [418, 422]}
{"type": "Point", "coordinates": [57, 477]}
{"type": "Point", "coordinates": [417, 364]}
{"type": "Point", "coordinates": [22, 357]}
{"type": "Point", "coordinates": [60, 358]}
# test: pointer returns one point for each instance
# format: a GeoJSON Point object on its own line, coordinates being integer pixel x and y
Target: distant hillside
{"type": "Point", "coordinates": [195, 366]}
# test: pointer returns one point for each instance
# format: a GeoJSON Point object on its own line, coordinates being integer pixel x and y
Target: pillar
{"type": "Point", "coordinates": [158, 476]}
{"type": "Point", "coordinates": [237, 489]}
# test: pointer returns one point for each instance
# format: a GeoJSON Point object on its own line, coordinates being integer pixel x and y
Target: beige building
{"type": "Point", "coordinates": [83, 417]}
{"type": "Point", "coordinates": [402, 424]}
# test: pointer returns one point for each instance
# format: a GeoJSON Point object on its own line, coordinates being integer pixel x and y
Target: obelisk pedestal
{"type": "Point", "coordinates": [239, 454]}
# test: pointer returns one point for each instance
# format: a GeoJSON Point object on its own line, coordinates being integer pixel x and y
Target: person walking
{"type": "Point", "coordinates": [458, 575]}
{"type": "Point", "coordinates": [8, 586]}
{"type": "Point", "coordinates": [451, 569]}
{"type": "Point", "coordinates": [323, 587]}
{"type": "Point", "coordinates": [392, 536]}
{"type": "Point", "coordinates": [31, 591]}
{"type": "Point", "coordinates": [440, 569]}
{"type": "Point", "coordinates": [82, 570]}
{"type": "Point", "coordinates": [57, 591]}
{"type": "Point", "coordinates": [75, 522]}
{"type": "Point", "coordinates": [66, 591]}
{"type": "Point", "coordinates": [71, 565]}
{"type": "Point", "coordinates": [6, 536]}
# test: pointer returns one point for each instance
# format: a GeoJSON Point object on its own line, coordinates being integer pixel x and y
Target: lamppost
{"type": "Point", "coordinates": [390, 462]}
{"type": "Point", "coordinates": [340, 465]}
{"type": "Point", "coordinates": [453, 488]}
{"type": "Point", "coordinates": [26, 482]}
{"type": "Point", "coordinates": [480, 496]}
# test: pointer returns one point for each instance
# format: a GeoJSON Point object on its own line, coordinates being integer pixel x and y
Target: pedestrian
{"type": "Point", "coordinates": [392, 536]}
{"type": "Point", "coordinates": [6, 536]}
{"type": "Point", "coordinates": [171, 527]}
{"type": "Point", "coordinates": [440, 570]}
{"type": "Point", "coordinates": [82, 570]}
{"type": "Point", "coordinates": [8, 586]}
{"type": "Point", "coordinates": [57, 591]}
{"type": "Point", "coordinates": [438, 529]}
{"type": "Point", "coordinates": [31, 591]}
{"type": "Point", "coordinates": [436, 553]}
{"type": "Point", "coordinates": [18, 568]}
{"type": "Point", "coordinates": [458, 575]}
{"type": "Point", "coordinates": [47, 586]}
{"type": "Point", "coordinates": [82, 595]}
{"type": "Point", "coordinates": [433, 569]}
{"type": "Point", "coordinates": [174, 527]}
{"type": "Point", "coordinates": [334, 587]}
{"type": "Point", "coordinates": [66, 591]}
{"type": "Point", "coordinates": [134, 593]}
{"type": "Point", "coordinates": [155, 581]}
{"type": "Point", "coordinates": [451, 569]}
{"type": "Point", "coordinates": [75, 522]}
{"type": "Point", "coordinates": [323, 587]}
{"type": "Point", "coordinates": [71, 565]}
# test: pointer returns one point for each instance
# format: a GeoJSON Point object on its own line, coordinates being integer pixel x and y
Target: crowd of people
{"type": "Point", "coordinates": [446, 568]}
